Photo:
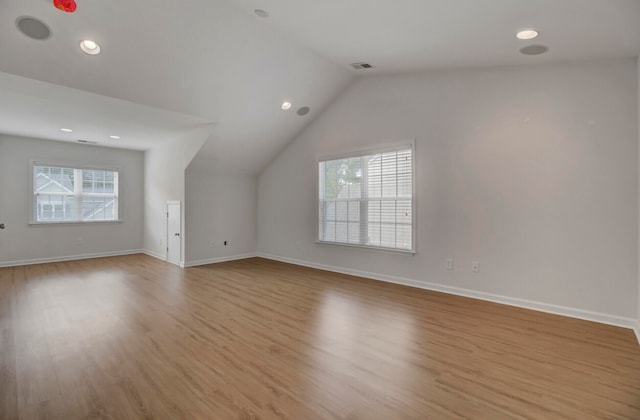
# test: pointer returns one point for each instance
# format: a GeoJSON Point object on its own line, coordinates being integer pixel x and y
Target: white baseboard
{"type": "Point", "coordinates": [69, 258]}
{"type": "Point", "coordinates": [154, 254]}
{"type": "Point", "coordinates": [161, 257]}
{"type": "Point", "coordinates": [185, 264]}
{"type": "Point", "coordinates": [521, 303]}
{"type": "Point", "coordinates": [637, 330]}
{"type": "Point", "coordinates": [220, 259]}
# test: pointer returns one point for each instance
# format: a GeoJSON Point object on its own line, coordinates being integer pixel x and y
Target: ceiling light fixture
{"type": "Point", "coordinates": [114, 137]}
{"type": "Point", "coordinates": [527, 34]}
{"type": "Point", "coordinates": [286, 105]}
{"type": "Point", "coordinates": [261, 13]}
{"type": "Point", "coordinates": [90, 47]}
{"type": "Point", "coordinates": [66, 130]}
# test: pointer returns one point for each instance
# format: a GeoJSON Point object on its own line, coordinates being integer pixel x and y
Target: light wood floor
{"type": "Point", "coordinates": [134, 337]}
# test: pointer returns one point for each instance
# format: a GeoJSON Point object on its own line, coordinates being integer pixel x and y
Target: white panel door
{"type": "Point", "coordinates": [173, 232]}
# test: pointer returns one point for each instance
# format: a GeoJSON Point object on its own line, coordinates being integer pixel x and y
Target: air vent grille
{"type": "Point", "coordinates": [361, 66]}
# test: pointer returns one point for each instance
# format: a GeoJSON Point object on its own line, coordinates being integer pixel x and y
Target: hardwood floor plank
{"type": "Point", "coordinates": [8, 380]}
{"type": "Point", "coordinates": [134, 337]}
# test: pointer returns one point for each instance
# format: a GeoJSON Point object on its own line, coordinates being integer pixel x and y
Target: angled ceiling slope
{"type": "Point", "coordinates": [32, 108]}
{"type": "Point", "coordinates": [412, 35]}
{"type": "Point", "coordinates": [216, 61]}
{"type": "Point", "coordinates": [203, 58]}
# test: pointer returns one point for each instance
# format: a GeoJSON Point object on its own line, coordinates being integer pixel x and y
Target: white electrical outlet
{"type": "Point", "coordinates": [449, 263]}
{"type": "Point", "coordinates": [475, 267]}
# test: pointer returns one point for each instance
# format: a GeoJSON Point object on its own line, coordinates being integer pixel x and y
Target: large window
{"type": "Point", "coordinates": [366, 199]}
{"type": "Point", "coordinates": [70, 194]}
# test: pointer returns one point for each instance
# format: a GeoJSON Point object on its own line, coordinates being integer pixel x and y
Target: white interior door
{"type": "Point", "coordinates": [174, 234]}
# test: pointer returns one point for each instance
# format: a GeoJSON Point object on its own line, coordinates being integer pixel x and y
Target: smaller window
{"type": "Point", "coordinates": [71, 194]}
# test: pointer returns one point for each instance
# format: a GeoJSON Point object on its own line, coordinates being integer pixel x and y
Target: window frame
{"type": "Point", "coordinates": [70, 165]}
{"type": "Point", "coordinates": [381, 148]}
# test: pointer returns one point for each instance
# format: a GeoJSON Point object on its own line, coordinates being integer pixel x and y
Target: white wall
{"type": "Point", "coordinates": [21, 243]}
{"type": "Point", "coordinates": [164, 170]}
{"type": "Point", "coordinates": [532, 171]}
{"type": "Point", "coordinates": [163, 181]}
{"type": "Point", "coordinates": [220, 208]}
{"type": "Point", "coordinates": [638, 324]}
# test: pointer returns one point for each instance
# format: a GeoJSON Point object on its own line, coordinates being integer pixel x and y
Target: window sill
{"type": "Point", "coordinates": [373, 248]}
{"type": "Point", "coordinates": [96, 222]}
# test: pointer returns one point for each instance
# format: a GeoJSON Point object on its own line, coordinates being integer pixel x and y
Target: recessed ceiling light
{"type": "Point", "coordinates": [286, 105]}
{"type": "Point", "coordinates": [114, 137]}
{"type": "Point", "coordinates": [527, 34]}
{"type": "Point", "coordinates": [90, 47]}
{"type": "Point", "coordinates": [66, 130]}
{"type": "Point", "coordinates": [261, 13]}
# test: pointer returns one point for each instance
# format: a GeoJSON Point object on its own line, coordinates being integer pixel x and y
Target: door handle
{"type": "Point", "coordinates": [176, 234]}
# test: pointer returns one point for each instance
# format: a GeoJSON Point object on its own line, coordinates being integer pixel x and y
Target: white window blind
{"type": "Point", "coordinates": [67, 194]}
{"type": "Point", "coordinates": [367, 200]}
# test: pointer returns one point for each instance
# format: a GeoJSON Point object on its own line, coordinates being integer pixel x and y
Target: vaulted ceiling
{"type": "Point", "coordinates": [168, 67]}
{"type": "Point", "coordinates": [410, 35]}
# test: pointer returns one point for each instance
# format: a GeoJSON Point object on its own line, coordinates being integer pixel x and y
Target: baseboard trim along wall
{"type": "Point", "coordinates": [219, 259]}
{"type": "Point", "coordinates": [69, 258]}
{"type": "Point", "coordinates": [521, 303]}
{"type": "Point", "coordinates": [161, 257]}
{"type": "Point", "coordinates": [195, 263]}
{"type": "Point", "coordinates": [154, 254]}
{"type": "Point", "coordinates": [637, 330]}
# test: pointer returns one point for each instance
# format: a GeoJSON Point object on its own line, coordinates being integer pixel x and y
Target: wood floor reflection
{"type": "Point", "coordinates": [134, 337]}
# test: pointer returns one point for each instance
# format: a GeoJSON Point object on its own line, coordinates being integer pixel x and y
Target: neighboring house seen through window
{"type": "Point", "coordinates": [366, 199]}
{"type": "Point", "coordinates": [67, 194]}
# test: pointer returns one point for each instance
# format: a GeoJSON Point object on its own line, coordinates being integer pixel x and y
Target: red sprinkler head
{"type": "Point", "coordinates": [65, 5]}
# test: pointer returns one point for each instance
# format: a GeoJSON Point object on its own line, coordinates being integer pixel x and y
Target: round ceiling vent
{"type": "Point", "coordinates": [534, 50]}
{"type": "Point", "coordinates": [33, 28]}
{"type": "Point", "coordinates": [303, 111]}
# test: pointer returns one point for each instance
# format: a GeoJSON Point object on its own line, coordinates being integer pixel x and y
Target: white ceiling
{"type": "Point", "coordinates": [410, 35]}
{"type": "Point", "coordinates": [203, 59]}
{"type": "Point", "coordinates": [39, 109]}
{"type": "Point", "coordinates": [175, 65]}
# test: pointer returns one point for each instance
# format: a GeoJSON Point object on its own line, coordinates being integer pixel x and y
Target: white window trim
{"type": "Point", "coordinates": [43, 162]}
{"type": "Point", "coordinates": [382, 148]}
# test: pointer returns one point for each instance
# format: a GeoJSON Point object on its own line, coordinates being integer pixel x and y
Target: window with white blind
{"type": "Point", "coordinates": [67, 194]}
{"type": "Point", "coordinates": [366, 199]}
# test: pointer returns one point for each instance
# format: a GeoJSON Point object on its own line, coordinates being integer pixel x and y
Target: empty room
{"type": "Point", "coordinates": [279, 209]}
